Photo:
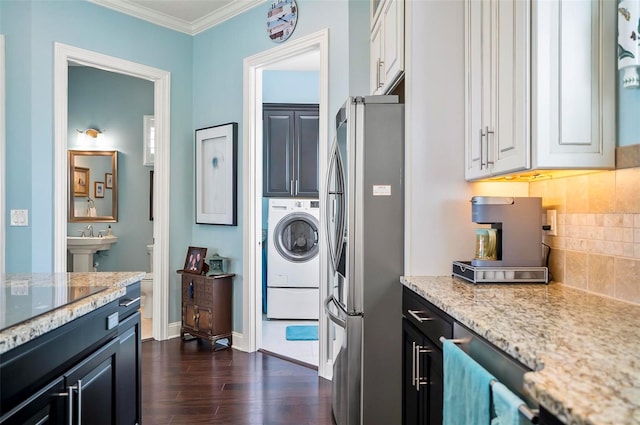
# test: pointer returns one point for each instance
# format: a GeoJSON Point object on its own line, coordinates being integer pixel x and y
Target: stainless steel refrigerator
{"type": "Point", "coordinates": [365, 228]}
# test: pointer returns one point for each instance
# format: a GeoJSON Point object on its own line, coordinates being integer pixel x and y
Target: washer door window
{"type": "Point", "coordinates": [296, 237]}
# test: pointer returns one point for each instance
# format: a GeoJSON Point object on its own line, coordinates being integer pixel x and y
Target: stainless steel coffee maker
{"type": "Point", "coordinates": [517, 226]}
{"type": "Point", "coordinates": [509, 249]}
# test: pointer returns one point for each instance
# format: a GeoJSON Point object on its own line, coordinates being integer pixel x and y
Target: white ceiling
{"type": "Point", "coordinates": [188, 16]}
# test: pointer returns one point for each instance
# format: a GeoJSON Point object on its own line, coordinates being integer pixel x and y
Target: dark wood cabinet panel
{"type": "Point", "coordinates": [423, 377]}
{"type": "Point", "coordinates": [129, 371]}
{"type": "Point", "coordinates": [207, 307]}
{"type": "Point", "coordinates": [290, 157]}
{"type": "Point", "coordinates": [93, 383]}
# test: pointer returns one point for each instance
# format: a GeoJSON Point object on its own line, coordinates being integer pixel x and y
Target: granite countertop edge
{"type": "Point", "coordinates": [574, 391]}
{"type": "Point", "coordinates": [26, 331]}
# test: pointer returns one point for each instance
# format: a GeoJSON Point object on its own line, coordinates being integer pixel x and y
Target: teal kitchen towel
{"type": "Point", "coordinates": [467, 389]}
{"type": "Point", "coordinates": [505, 404]}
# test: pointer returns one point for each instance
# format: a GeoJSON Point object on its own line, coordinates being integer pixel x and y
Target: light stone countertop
{"type": "Point", "coordinates": [62, 297]}
{"type": "Point", "coordinates": [584, 349]}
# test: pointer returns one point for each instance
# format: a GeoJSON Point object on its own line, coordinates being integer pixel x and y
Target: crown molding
{"type": "Point", "coordinates": [191, 28]}
{"type": "Point", "coordinates": [226, 12]}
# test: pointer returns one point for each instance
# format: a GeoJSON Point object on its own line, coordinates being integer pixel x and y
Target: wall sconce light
{"type": "Point", "coordinates": [88, 134]}
{"type": "Point", "coordinates": [629, 42]}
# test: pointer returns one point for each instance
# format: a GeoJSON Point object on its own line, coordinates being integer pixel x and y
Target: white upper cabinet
{"type": "Point", "coordinates": [574, 58]}
{"type": "Point", "coordinates": [387, 44]}
{"type": "Point", "coordinates": [559, 115]}
{"type": "Point", "coordinates": [497, 81]}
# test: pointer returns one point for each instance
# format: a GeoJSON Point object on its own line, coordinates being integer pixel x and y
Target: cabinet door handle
{"type": "Point", "coordinates": [417, 360]}
{"type": "Point", "coordinates": [488, 132]}
{"type": "Point", "coordinates": [128, 302]}
{"type": "Point", "coordinates": [380, 74]}
{"type": "Point", "coordinates": [79, 410]}
{"type": "Point", "coordinates": [482, 164]}
{"type": "Point", "coordinates": [413, 364]}
{"type": "Point", "coordinates": [291, 187]}
{"type": "Point", "coordinates": [297, 186]}
{"type": "Point", "coordinates": [70, 405]}
{"type": "Point", "coordinates": [414, 314]}
{"type": "Point", "coordinates": [419, 379]}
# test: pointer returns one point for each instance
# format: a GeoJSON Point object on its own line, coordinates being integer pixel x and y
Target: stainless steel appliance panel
{"type": "Point", "coordinates": [367, 296]}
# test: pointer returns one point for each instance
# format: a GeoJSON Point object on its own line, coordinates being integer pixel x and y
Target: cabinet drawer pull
{"type": "Point", "coordinates": [128, 302]}
{"type": "Point", "coordinates": [414, 314]}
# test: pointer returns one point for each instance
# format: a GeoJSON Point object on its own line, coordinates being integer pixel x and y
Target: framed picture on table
{"type": "Point", "coordinates": [194, 263]}
{"type": "Point", "coordinates": [217, 174]}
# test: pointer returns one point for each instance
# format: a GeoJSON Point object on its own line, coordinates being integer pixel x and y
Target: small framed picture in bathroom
{"type": "Point", "coordinates": [80, 181]}
{"type": "Point", "coordinates": [108, 181]}
{"type": "Point", "coordinates": [98, 189]}
{"type": "Point", "coordinates": [194, 263]}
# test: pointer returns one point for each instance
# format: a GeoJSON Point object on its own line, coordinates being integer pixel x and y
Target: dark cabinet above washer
{"type": "Point", "coordinates": [290, 157]}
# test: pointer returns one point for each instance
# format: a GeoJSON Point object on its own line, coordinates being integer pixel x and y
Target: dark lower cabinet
{"type": "Point", "coordinates": [422, 326]}
{"type": "Point", "coordinates": [423, 374]}
{"type": "Point", "coordinates": [422, 378]}
{"type": "Point", "coordinates": [86, 371]}
{"type": "Point", "coordinates": [129, 371]}
{"type": "Point", "coordinates": [91, 386]}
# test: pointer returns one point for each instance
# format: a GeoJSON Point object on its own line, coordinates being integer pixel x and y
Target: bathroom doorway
{"type": "Point", "coordinates": [64, 56]}
{"type": "Point", "coordinates": [255, 67]}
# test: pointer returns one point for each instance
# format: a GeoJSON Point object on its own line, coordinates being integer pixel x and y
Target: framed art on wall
{"type": "Point", "coordinates": [80, 181]}
{"type": "Point", "coordinates": [98, 189]}
{"type": "Point", "coordinates": [217, 174]}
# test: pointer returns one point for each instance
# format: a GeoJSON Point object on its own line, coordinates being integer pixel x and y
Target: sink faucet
{"type": "Point", "coordinates": [90, 229]}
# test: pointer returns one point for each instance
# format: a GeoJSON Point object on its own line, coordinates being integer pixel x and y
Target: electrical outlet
{"type": "Point", "coordinates": [552, 220]}
{"type": "Point", "coordinates": [19, 217]}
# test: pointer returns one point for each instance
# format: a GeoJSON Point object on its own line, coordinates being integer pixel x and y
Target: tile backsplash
{"type": "Point", "coordinates": [598, 243]}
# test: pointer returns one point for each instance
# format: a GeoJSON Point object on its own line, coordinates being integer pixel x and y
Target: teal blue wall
{"type": "Point", "coordinates": [218, 92]}
{"type": "Point", "coordinates": [30, 29]}
{"type": "Point", "coordinates": [116, 104]}
{"type": "Point", "coordinates": [628, 115]}
{"type": "Point", "coordinates": [290, 86]}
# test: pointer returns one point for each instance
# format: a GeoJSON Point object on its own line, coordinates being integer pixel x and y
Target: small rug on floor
{"type": "Point", "coordinates": [302, 333]}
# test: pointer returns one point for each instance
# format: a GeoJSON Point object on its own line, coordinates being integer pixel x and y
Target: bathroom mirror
{"type": "Point", "coordinates": [93, 186]}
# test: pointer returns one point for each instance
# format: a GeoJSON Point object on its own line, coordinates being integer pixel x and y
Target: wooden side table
{"type": "Point", "coordinates": [207, 308]}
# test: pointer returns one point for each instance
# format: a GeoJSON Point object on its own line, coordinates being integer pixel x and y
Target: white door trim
{"type": "Point", "coordinates": [252, 177]}
{"type": "Point", "coordinates": [162, 85]}
{"type": "Point", "coordinates": [3, 169]}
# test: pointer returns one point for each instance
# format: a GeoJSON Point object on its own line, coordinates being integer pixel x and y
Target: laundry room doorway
{"type": "Point", "coordinates": [291, 209]}
{"type": "Point", "coordinates": [279, 58]}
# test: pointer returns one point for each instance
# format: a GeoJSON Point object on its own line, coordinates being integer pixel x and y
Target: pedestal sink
{"type": "Point", "coordinates": [83, 248]}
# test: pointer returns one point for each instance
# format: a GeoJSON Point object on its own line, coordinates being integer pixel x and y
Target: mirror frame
{"type": "Point", "coordinates": [114, 191]}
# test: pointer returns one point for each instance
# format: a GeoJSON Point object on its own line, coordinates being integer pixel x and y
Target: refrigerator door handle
{"type": "Point", "coordinates": [334, 317]}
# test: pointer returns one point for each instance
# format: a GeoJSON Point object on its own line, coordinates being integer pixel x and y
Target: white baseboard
{"type": "Point", "coordinates": [238, 342]}
{"type": "Point", "coordinates": [173, 330]}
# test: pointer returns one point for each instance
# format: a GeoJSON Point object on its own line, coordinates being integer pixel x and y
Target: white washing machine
{"type": "Point", "coordinates": [293, 263]}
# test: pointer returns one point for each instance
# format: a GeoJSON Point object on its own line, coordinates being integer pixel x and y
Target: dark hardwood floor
{"type": "Point", "coordinates": [186, 383]}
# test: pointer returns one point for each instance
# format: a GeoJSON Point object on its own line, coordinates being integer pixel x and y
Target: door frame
{"type": "Point", "coordinates": [252, 177]}
{"type": "Point", "coordinates": [3, 170]}
{"type": "Point", "coordinates": [63, 54]}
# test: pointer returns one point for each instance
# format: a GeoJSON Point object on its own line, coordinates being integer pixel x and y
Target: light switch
{"type": "Point", "coordinates": [19, 217]}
